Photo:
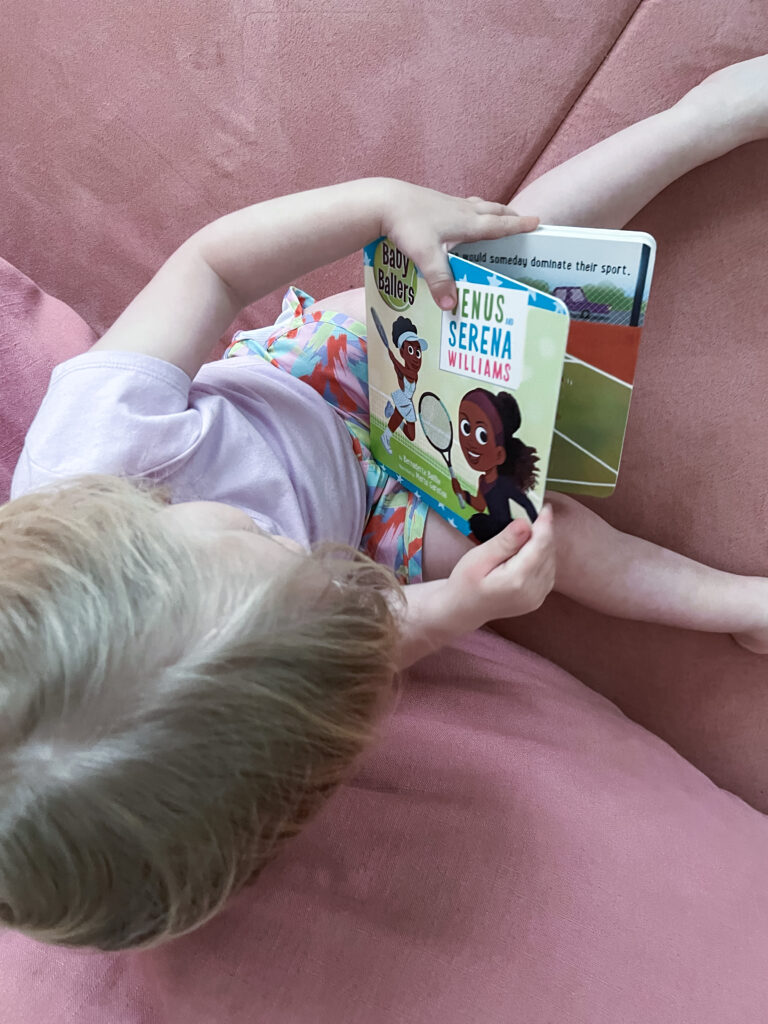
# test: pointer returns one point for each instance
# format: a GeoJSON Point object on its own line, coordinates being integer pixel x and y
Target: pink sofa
{"type": "Point", "coordinates": [515, 848]}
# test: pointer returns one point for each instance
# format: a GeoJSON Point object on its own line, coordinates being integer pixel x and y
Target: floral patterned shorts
{"type": "Point", "coordinates": [328, 351]}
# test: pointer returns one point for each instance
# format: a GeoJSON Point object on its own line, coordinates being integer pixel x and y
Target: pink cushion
{"type": "Point", "coordinates": [36, 332]}
{"type": "Point", "coordinates": [515, 849]}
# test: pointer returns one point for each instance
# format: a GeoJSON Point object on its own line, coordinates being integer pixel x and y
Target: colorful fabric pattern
{"type": "Point", "coordinates": [328, 350]}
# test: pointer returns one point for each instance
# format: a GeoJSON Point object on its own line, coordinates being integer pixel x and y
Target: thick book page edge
{"type": "Point", "coordinates": [599, 234]}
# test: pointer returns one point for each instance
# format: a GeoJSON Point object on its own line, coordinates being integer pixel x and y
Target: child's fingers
{"type": "Point", "coordinates": [470, 221]}
{"type": "Point", "coordinates": [501, 209]}
{"type": "Point", "coordinates": [543, 527]}
{"type": "Point", "coordinates": [487, 206]}
{"type": "Point", "coordinates": [498, 224]}
{"type": "Point", "coordinates": [486, 557]}
{"type": "Point", "coordinates": [541, 543]}
{"type": "Point", "coordinates": [542, 531]}
{"type": "Point", "coordinates": [436, 269]}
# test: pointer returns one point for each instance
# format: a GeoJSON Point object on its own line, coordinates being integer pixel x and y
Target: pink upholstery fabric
{"type": "Point", "coordinates": [36, 332]}
{"type": "Point", "coordinates": [514, 850]}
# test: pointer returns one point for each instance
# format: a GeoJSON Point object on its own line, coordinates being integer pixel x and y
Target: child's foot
{"type": "Point", "coordinates": [755, 591]}
{"type": "Point", "coordinates": [388, 409]}
{"type": "Point", "coordinates": [755, 641]}
{"type": "Point", "coordinates": [734, 101]}
{"type": "Point", "coordinates": [386, 440]}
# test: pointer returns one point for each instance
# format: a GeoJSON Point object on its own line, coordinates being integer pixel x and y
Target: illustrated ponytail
{"type": "Point", "coordinates": [520, 463]}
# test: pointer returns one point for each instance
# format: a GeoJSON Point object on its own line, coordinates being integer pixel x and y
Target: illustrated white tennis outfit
{"type": "Point", "coordinates": [403, 397]}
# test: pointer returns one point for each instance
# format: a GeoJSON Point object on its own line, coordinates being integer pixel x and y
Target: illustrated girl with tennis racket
{"type": "Point", "coordinates": [400, 408]}
{"type": "Point", "coordinates": [487, 427]}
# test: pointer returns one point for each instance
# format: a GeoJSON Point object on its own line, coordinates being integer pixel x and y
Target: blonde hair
{"type": "Point", "coordinates": [167, 717]}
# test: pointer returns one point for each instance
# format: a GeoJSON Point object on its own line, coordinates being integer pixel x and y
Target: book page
{"type": "Point", "coordinates": [604, 278]}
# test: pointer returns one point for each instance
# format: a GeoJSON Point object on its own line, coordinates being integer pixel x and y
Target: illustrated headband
{"type": "Point", "coordinates": [412, 336]}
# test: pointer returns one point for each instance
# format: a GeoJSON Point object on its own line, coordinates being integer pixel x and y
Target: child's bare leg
{"type": "Point", "coordinates": [607, 184]}
{"type": "Point", "coordinates": [629, 578]}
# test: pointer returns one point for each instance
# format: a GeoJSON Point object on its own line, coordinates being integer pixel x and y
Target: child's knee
{"type": "Point", "coordinates": [564, 507]}
{"type": "Point", "coordinates": [571, 520]}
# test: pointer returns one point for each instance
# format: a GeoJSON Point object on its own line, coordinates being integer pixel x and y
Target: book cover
{"type": "Point", "coordinates": [463, 402]}
{"type": "Point", "coordinates": [604, 278]}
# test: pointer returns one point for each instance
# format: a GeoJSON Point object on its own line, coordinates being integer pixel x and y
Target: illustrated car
{"type": "Point", "coordinates": [578, 303]}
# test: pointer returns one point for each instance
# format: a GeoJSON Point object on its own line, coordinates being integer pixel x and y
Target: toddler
{"type": "Point", "coordinates": [201, 566]}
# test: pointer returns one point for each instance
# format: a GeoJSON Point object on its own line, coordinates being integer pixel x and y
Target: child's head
{"type": "Point", "coordinates": [174, 701]}
{"type": "Point", "coordinates": [487, 427]}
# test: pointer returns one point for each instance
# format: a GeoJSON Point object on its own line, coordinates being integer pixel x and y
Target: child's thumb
{"type": "Point", "coordinates": [503, 546]}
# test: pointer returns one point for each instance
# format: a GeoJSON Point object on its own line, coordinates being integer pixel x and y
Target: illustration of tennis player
{"type": "Point", "coordinates": [400, 408]}
{"type": "Point", "coordinates": [487, 427]}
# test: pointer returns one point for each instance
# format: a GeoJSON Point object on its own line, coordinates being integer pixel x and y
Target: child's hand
{"type": "Point", "coordinates": [509, 575]}
{"type": "Point", "coordinates": [425, 224]}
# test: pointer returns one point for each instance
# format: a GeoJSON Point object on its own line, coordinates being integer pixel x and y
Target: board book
{"type": "Point", "coordinates": [604, 277]}
{"type": "Point", "coordinates": [463, 401]}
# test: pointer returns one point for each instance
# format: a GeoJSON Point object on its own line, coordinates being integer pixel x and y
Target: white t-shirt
{"type": "Point", "coordinates": [243, 432]}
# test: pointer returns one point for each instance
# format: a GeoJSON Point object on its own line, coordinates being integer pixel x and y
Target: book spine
{"type": "Point", "coordinates": [642, 273]}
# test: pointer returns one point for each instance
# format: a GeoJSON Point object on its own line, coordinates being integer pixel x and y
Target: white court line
{"type": "Point", "coordinates": [568, 439]}
{"type": "Point", "coordinates": [581, 483]}
{"type": "Point", "coordinates": [572, 359]}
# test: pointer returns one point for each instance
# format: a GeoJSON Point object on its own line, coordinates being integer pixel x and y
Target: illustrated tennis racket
{"type": "Point", "coordinates": [380, 327]}
{"type": "Point", "coordinates": [438, 430]}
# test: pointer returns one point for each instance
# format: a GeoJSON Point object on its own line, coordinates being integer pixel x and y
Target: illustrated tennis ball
{"type": "Point", "coordinates": [395, 275]}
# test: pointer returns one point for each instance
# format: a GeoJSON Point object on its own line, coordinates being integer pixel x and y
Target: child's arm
{"type": "Point", "coordinates": [230, 263]}
{"type": "Point", "coordinates": [509, 575]}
